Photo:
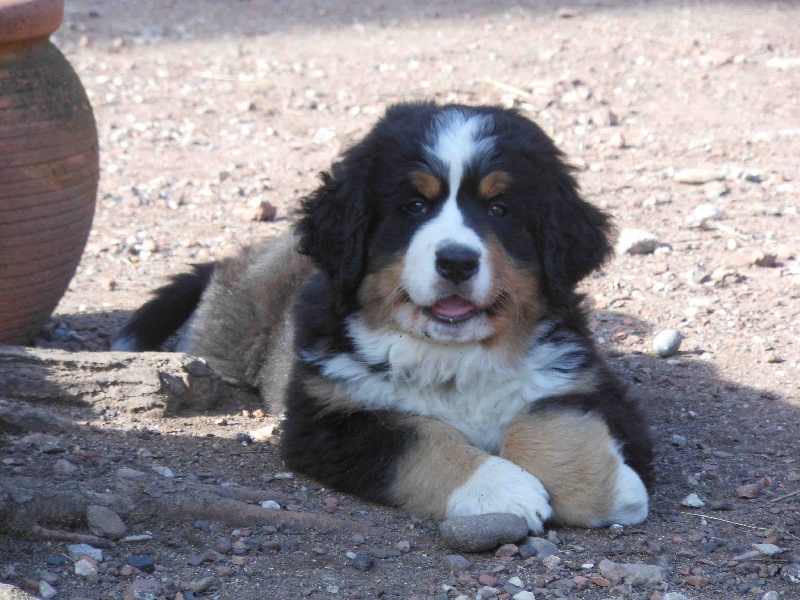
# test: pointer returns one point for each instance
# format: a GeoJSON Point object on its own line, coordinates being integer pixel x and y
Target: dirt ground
{"type": "Point", "coordinates": [207, 109]}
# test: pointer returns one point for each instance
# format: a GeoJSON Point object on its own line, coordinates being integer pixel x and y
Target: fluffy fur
{"type": "Point", "coordinates": [441, 361]}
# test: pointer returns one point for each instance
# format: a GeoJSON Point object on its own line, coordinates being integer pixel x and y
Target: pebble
{"type": "Point", "coordinates": [362, 562]}
{"type": "Point", "coordinates": [697, 176]}
{"type": "Point", "coordinates": [86, 568]}
{"type": "Point", "coordinates": [633, 574]}
{"type": "Point", "coordinates": [525, 596]}
{"type": "Point", "coordinates": [456, 562]}
{"type": "Point", "coordinates": [76, 551]}
{"type": "Point", "coordinates": [751, 490]}
{"type": "Point", "coordinates": [201, 585]}
{"type": "Point", "coordinates": [693, 501]}
{"type": "Point", "coordinates": [105, 522]}
{"type": "Point", "coordinates": [761, 259]}
{"type": "Point", "coordinates": [702, 214]}
{"type": "Point", "coordinates": [637, 241]}
{"type": "Point", "coordinates": [142, 562]}
{"type": "Point", "coordinates": [667, 343]}
{"type": "Point", "coordinates": [542, 547]}
{"type": "Point", "coordinates": [678, 440]}
{"type": "Point", "coordinates": [46, 590]}
{"type": "Point", "coordinates": [270, 504]}
{"type": "Point", "coordinates": [551, 561]}
{"type": "Point", "coordinates": [142, 587]}
{"type": "Point", "coordinates": [164, 471]}
{"type": "Point", "coordinates": [769, 549]}
{"type": "Point", "coordinates": [476, 533]}
{"type": "Point", "coordinates": [64, 467]}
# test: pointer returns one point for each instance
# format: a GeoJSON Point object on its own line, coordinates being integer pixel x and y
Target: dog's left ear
{"type": "Point", "coordinates": [576, 236]}
{"type": "Point", "coordinates": [334, 220]}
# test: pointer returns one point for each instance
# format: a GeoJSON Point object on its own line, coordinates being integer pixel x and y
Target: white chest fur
{"type": "Point", "coordinates": [474, 390]}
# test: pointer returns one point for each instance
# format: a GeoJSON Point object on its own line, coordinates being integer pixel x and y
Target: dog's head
{"type": "Point", "coordinates": [453, 223]}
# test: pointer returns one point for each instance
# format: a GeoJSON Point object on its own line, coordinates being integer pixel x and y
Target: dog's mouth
{"type": "Point", "coordinates": [455, 310]}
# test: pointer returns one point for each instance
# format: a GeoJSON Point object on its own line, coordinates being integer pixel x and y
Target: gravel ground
{"type": "Point", "coordinates": [684, 120]}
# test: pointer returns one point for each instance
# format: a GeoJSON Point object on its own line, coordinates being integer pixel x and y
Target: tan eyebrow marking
{"type": "Point", "coordinates": [428, 185]}
{"type": "Point", "coordinates": [494, 183]}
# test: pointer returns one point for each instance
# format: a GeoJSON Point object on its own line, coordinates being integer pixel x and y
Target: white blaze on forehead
{"type": "Point", "coordinates": [457, 140]}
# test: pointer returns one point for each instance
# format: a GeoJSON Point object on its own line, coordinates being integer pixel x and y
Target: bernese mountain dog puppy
{"type": "Point", "coordinates": [441, 360]}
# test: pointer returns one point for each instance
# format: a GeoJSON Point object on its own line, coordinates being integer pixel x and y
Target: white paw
{"type": "Point", "coordinates": [630, 500]}
{"type": "Point", "coordinates": [500, 486]}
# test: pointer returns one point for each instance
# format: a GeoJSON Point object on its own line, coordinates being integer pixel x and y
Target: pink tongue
{"type": "Point", "coordinates": [453, 307]}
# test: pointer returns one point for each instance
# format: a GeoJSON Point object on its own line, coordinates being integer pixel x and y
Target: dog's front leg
{"type": "Point", "coordinates": [443, 474]}
{"type": "Point", "coordinates": [577, 459]}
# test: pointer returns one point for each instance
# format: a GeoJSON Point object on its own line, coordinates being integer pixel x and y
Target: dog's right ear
{"type": "Point", "coordinates": [334, 220]}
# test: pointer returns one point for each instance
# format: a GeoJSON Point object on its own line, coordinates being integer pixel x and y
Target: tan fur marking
{"type": "Point", "coordinates": [381, 292]}
{"type": "Point", "coordinates": [441, 461]}
{"type": "Point", "coordinates": [572, 455]}
{"type": "Point", "coordinates": [330, 394]}
{"type": "Point", "coordinates": [521, 306]}
{"type": "Point", "coordinates": [494, 184]}
{"type": "Point", "coordinates": [428, 185]}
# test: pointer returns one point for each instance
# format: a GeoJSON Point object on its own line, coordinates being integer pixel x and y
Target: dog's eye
{"type": "Point", "coordinates": [416, 207]}
{"type": "Point", "coordinates": [498, 210]}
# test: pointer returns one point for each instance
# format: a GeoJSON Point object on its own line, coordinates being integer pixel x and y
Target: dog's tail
{"type": "Point", "coordinates": [166, 312]}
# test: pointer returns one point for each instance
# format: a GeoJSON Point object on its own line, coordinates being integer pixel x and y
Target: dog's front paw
{"type": "Point", "coordinates": [500, 486]}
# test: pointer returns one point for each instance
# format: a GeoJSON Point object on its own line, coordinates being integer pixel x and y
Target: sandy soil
{"type": "Point", "coordinates": [206, 109]}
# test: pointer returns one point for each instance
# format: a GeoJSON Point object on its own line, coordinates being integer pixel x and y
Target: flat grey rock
{"type": "Point", "coordinates": [478, 533]}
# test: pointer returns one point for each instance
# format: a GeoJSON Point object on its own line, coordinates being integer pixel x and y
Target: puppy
{"type": "Point", "coordinates": [441, 362]}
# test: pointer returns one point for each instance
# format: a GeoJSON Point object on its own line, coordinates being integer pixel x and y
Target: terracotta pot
{"type": "Point", "coordinates": [48, 168]}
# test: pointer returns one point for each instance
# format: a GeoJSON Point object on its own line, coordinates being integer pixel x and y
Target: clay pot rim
{"type": "Point", "coordinates": [29, 19]}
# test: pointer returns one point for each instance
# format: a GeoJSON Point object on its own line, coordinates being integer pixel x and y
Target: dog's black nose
{"type": "Point", "coordinates": [457, 263]}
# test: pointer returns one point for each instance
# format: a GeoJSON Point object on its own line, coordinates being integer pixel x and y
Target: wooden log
{"type": "Point", "coordinates": [164, 381]}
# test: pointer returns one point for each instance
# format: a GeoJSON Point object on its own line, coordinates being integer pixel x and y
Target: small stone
{"type": "Point", "coordinates": [507, 550]}
{"type": "Point", "coordinates": [264, 212]}
{"type": "Point", "coordinates": [264, 434]}
{"type": "Point", "coordinates": [525, 596]}
{"type": "Point", "coordinates": [164, 471]}
{"type": "Point", "coordinates": [617, 140]}
{"type": "Point", "coordinates": [697, 176]}
{"type": "Point", "coordinates": [633, 574]}
{"type": "Point", "coordinates": [202, 585]}
{"type": "Point", "coordinates": [678, 441]}
{"type": "Point", "coordinates": [693, 501]}
{"type": "Point", "coordinates": [270, 504]}
{"type": "Point", "coordinates": [456, 562]}
{"type": "Point", "coordinates": [769, 549]}
{"type": "Point", "coordinates": [702, 214]}
{"type": "Point", "coordinates": [105, 522]}
{"type": "Point", "coordinates": [85, 568]}
{"type": "Point", "coordinates": [751, 490]}
{"type": "Point", "coordinates": [551, 561]}
{"type": "Point", "coordinates": [362, 562]}
{"type": "Point", "coordinates": [143, 588]}
{"type": "Point", "coordinates": [64, 467]}
{"type": "Point", "coordinates": [477, 533]}
{"type": "Point", "coordinates": [404, 546]}
{"type": "Point", "coordinates": [771, 596]}
{"type": "Point", "coordinates": [142, 562]}
{"type": "Point", "coordinates": [76, 551]}
{"type": "Point", "coordinates": [637, 241]}
{"type": "Point", "coordinates": [46, 590]}
{"type": "Point", "coordinates": [542, 548]}
{"type": "Point", "coordinates": [667, 343]}
{"type": "Point", "coordinates": [357, 538]}
{"type": "Point", "coordinates": [760, 259]}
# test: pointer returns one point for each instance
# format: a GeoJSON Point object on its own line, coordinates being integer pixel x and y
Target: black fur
{"type": "Point", "coordinates": [170, 308]}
